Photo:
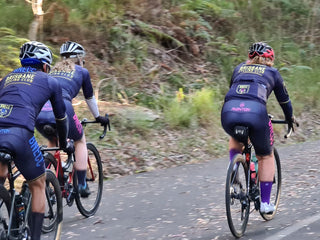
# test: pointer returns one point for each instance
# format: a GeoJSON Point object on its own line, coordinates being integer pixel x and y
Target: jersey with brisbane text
{"type": "Point", "coordinates": [23, 92]}
{"type": "Point", "coordinates": [72, 81]}
{"type": "Point", "coordinates": [256, 82]}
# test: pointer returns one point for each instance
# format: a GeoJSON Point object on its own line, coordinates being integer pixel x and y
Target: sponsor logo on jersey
{"type": "Point", "coordinates": [243, 89]}
{"type": "Point", "coordinates": [5, 110]}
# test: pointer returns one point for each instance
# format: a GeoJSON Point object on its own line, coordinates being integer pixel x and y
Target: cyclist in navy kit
{"type": "Point", "coordinates": [245, 104]}
{"type": "Point", "coordinates": [72, 76]}
{"type": "Point", "coordinates": [23, 92]}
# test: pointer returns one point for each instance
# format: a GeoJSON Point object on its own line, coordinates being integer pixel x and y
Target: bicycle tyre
{"type": "Point", "coordinates": [89, 206]}
{"type": "Point", "coordinates": [54, 208]}
{"type": "Point", "coordinates": [236, 196]}
{"type": "Point", "coordinates": [5, 205]}
{"type": "Point", "coordinates": [276, 187]}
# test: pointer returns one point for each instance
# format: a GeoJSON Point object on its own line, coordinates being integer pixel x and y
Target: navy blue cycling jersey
{"type": "Point", "coordinates": [71, 82]}
{"type": "Point", "coordinates": [245, 103]}
{"type": "Point", "coordinates": [256, 82]}
{"type": "Point", "coordinates": [23, 92]}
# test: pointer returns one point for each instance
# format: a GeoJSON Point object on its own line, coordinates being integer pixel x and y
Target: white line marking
{"type": "Point", "coordinates": [293, 228]}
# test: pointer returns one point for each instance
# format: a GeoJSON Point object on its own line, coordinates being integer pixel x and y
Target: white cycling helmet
{"type": "Point", "coordinates": [36, 50]}
{"type": "Point", "coordinates": [72, 50]}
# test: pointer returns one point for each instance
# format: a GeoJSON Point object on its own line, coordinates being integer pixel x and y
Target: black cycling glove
{"type": "Point", "coordinates": [292, 122]}
{"type": "Point", "coordinates": [103, 120]}
{"type": "Point", "coordinates": [69, 149]}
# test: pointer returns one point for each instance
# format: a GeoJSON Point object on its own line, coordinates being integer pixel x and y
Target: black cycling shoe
{"type": "Point", "coordinates": [84, 191]}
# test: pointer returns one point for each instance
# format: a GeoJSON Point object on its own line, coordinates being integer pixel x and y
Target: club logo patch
{"type": "Point", "coordinates": [5, 110]}
{"type": "Point", "coordinates": [243, 89]}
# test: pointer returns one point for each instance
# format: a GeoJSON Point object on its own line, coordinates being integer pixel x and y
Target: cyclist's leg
{"type": "Point", "coordinates": [29, 161]}
{"type": "Point", "coordinates": [229, 120]}
{"type": "Point", "coordinates": [37, 188]}
{"type": "Point", "coordinates": [266, 175]}
{"type": "Point", "coordinates": [262, 139]}
{"type": "Point", "coordinates": [234, 148]}
{"type": "Point", "coordinates": [76, 133]}
{"type": "Point", "coordinates": [3, 173]}
{"type": "Point", "coordinates": [81, 155]}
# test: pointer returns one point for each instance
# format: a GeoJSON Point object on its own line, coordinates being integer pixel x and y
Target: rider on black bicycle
{"type": "Point", "coordinates": [72, 76]}
{"type": "Point", "coordinates": [245, 104]}
{"type": "Point", "coordinates": [23, 92]}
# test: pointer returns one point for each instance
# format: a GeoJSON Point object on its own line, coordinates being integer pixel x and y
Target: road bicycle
{"type": "Point", "coordinates": [242, 183]}
{"type": "Point", "coordinates": [15, 207]}
{"type": "Point", "coordinates": [67, 177]}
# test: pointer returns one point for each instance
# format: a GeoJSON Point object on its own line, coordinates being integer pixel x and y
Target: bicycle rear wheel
{"type": "Point", "coordinates": [276, 187]}
{"type": "Point", "coordinates": [53, 208]}
{"type": "Point", "coordinates": [236, 196]}
{"type": "Point", "coordinates": [88, 206]}
{"type": "Point", "coordinates": [5, 203]}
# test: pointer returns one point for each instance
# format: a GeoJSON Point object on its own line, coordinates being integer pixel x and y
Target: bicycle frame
{"type": "Point", "coordinates": [12, 176]}
{"type": "Point", "coordinates": [60, 171]}
{"type": "Point", "coordinates": [243, 136]}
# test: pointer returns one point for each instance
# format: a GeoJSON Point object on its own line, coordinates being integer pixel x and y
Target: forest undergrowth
{"type": "Point", "coordinates": [161, 68]}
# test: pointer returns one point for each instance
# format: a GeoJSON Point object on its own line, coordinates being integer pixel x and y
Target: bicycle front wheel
{"type": "Point", "coordinates": [88, 206]}
{"type": "Point", "coordinates": [276, 187]}
{"type": "Point", "coordinates": [236, 196]}
{"type": "Point", "coordinates": [53, 206]}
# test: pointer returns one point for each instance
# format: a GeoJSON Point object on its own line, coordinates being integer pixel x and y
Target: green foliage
{"type": "Point", "coordinates": [16, 15]}
{"type": "Point", "coordinates": [294, 7]}
{"type": "Point", "coordinates": [100, 13]}
{"type": "Point", "coordinates": [206, 106]}
{"type": "Point", "coordinates": [176, 80]}
{"type": "Point", "coordinates": [198, 108]}
{"type": "Point", "coordinates": [206, 7]}
{"type": "Point", "coordinates": [222, 29]}
{"type": "Point", "coordinates": [179, 114]}
{"type": "Point", "coordinates": [124, 45]}
{"type": "Point", "coordinates": [224, 54]}
{"type": "Point", "coordinates": [9, 50]}
{"type": "Point", "coordinates": [303, 86]}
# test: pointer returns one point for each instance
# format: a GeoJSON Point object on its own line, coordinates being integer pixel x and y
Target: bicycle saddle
{"type": "Point", "coordinates": [5, 156]}
{"type": "Point", "coordinates": [241, 133]}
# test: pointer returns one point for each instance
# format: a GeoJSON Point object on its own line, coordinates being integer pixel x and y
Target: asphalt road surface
{"type": "Point", "coordinates": [187, 203]}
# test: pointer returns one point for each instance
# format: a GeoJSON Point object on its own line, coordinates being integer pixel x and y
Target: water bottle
{"type": "Point", "coordinates": [255, 160]}
{"type": "Point", "coordinates": [254, 167]}
{"type": "Point", "coordinates": [253, 172]}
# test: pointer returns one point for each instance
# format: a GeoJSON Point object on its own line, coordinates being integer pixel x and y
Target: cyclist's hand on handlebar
{"type": "Point", "coordinates": [69, 149]}
{"type": "Point", "coordinates": [103, 120]}
{"type": "Point", "coordinates": [293, 122]}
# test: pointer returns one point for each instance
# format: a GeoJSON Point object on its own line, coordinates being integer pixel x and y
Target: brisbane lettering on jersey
{"type": "Point", "coordinates": [19, 79]}
{"type": "Point", "coordinates": [63, 74]}
{"type": "Point", "coordinates": [255, 69]}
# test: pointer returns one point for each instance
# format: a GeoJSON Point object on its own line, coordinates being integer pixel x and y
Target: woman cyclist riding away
{"type": "Point", "coordinates": [245, 104]}
{"type": "Point", "coordinates": [23, 92]}
{"type": "Point", "coordinates": [72, 76]}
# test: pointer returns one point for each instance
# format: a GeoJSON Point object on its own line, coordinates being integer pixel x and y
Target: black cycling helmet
{"type": "Point", "coordinates": [261, 49]}
{"type": "Point", "coordinates": [72, 49]}
{"type": "Point", "coordinates": [32, 51]}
